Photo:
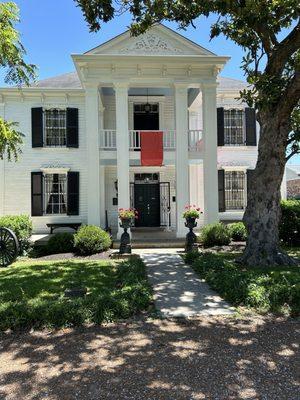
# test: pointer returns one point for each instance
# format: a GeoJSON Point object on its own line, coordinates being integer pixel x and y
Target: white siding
{"type": "Point", "coordinates": [17, 191]}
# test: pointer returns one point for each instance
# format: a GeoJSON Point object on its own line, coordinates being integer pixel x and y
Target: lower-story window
{"type": "Point", "coordinates": [55, 193]}
{"type": "Point", "coordinates": [234, 190]}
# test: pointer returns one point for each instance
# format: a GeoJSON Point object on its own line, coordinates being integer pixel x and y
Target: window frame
{"type": "Point", "coordinates": [230, 127]}
{"type": "Point", "coordinates": [62, 138]}
{"type": "Point", "coordinates": [243, 190]}
{"type": "Point", "coordinates": [47, 194]}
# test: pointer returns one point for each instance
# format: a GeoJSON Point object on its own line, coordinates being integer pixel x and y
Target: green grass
{"type": "Point", "coordinates": [275, 290]}
{"type": "Point", "coordinates": [32, 293]}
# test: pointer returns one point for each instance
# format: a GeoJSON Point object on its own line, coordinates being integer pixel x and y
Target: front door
{"type": "Point", "coordinates": [147, 203]}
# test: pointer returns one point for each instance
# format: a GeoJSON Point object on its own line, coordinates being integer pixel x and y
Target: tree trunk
{"type": "Point", "coordinates": [263, 212]}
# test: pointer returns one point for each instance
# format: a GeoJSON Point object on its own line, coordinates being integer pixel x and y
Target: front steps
{"type": "Point", "coordinates": [153, 244]}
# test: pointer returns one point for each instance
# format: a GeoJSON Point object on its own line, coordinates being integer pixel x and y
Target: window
{"type": "Point", "coordinates": [55, 193]}
{"type": "Point", "coordinates": [234, 127]}
{"type": "Point", "coordinates": [234, 190]}
{"type": "Point", "coordinates": [146, 178]}
{"type": "Point", "coordinates": [55, 127]}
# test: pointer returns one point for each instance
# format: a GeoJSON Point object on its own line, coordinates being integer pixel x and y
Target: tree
{"type": "Point", "coordinates": [269, 33]}
{"type": "Point", "coordinates": [18, 72]}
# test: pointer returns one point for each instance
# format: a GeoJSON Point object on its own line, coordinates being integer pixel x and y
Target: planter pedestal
{"type": "Point", "coordinates": [191, 238]}
{"type": "Point", "coordinates": [125, 243]}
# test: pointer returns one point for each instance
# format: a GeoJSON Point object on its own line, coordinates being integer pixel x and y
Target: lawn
{"type": "Point", "coordinates": [32, 293]}
{"type": "Point", "coordinates": [274, 289]}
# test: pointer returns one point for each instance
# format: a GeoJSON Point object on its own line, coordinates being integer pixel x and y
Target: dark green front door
{"type": "Point", "coordinates": [147, 203]}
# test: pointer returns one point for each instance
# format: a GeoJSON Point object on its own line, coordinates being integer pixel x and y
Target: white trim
{"type": "Point", "coordinates": [234, 168]}
{"type": "Point", "coordinates": [59, 170]}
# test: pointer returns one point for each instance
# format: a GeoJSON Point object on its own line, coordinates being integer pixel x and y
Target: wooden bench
{"type": "Point", "coordinates": [72, 225]}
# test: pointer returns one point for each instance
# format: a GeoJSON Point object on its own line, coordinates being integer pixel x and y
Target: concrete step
{"type": "Point", "coordinates": [153, 244]}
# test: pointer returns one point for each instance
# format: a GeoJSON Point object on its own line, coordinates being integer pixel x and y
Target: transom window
{"type": "Point", "coordinates": [234, 127]}
{"type": "Point", "coordinates": [234, 190]}
{"type": "Point", "coordinates": [55, 123]}
{"type": "Point", "coordinates": [55, 193]}
{"type": "Point", "coordinates": [145, 108]}
{"type": "Point", "coordinates": [146, 178]}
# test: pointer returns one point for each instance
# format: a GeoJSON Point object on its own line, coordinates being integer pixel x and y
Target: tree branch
{"type": "Point", "coordinates": [290, 97]}
{"type": "Point", "coordinates": [293, 153]}
{"type": "Point", "coordinates": [283, 51]}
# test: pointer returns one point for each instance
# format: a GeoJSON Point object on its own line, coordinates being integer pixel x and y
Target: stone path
{"type": "Point", "coordinates": [178, 292]}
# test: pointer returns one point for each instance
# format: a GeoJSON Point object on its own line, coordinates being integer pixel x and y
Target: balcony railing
{"type": "Point", "coordinates": [108, 139]}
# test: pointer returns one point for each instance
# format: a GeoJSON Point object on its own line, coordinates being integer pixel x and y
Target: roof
{"type": "Point", "coordinates": [72, 81]}
{"type": "Point", "coordinates": [292, 172]}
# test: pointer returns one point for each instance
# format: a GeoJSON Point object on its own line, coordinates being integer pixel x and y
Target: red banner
{"type": "Point", "coordinates": [152, 152]}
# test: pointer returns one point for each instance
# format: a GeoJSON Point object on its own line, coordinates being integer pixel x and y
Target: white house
{"type": "Point", "coordinates": [144, 122]}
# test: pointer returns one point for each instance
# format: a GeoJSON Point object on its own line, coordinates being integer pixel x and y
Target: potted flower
{"type": "Point", "coordinates": [127, 215]}
{"type": "Point", "coordinates": [191, 213]}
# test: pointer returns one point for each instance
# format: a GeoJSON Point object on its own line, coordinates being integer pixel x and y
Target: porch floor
{"type": "Point", "coordinates": [152, 238]}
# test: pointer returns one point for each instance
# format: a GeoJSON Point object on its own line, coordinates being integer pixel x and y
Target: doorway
{"type": "Point", "coordinates": [146, 117]}
{"type": "Point", "coordinates": [147, 203]}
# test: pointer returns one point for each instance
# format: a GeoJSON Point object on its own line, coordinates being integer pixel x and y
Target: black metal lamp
{"type": "Point", "coordinates": [147, 106]}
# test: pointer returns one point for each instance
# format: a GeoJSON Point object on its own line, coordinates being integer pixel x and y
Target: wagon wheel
{"type": "Point", "coordinates": [9, 247]}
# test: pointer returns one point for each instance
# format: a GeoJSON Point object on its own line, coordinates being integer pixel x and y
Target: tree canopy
{"type": "Point", "coordinates": [18, 71]}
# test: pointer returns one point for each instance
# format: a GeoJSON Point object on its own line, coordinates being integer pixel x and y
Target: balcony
{"type": "Point", "coordinates": [108, 140]}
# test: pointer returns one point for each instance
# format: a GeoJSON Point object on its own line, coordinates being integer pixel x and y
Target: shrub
{"type": "Point", "coordinates": [289, 226]}
{"type": "Point", "coordinates": [60, 243]}
{"type": "Point", "coordinates": [215, 235]}
{"type": "Point", "coordinates": [91, 239]}
{"type": "Point", "coordinates": [21, 225]}
{"type": "Point", "coordinates": [237, 231]}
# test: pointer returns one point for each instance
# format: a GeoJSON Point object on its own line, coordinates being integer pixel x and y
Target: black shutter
{"type": "Point", "coordinates": [250, 173]}
{"type": "Point", "coordinates": [221, 188]}
{"type": "Point", "coordinates": [220, 123]}
{"type": "Point", "coordinates": [36, 194]}
{"type": "Point", "coordinates": [73, 193]}
{"type": "Point", "coordinates": [72, 127]}
{"type": "Point", "coordinates": [250, 126]}
{"type": "Point", "coordinates": [37, 127]}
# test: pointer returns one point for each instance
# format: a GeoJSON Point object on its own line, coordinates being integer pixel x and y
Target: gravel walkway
{"type": "Point", "coordinates": [178, 291]}
{"type": "Point", "coordinates": [218, 358]}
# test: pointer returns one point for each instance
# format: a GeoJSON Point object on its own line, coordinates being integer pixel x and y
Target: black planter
{"type": "Point", "coordinates": [191, 238]}
{"type": "Point", "coordinates": [125, 244]}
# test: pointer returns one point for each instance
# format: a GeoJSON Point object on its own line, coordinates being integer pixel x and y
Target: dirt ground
{"type": "Point", "coordinates": [208, 358]}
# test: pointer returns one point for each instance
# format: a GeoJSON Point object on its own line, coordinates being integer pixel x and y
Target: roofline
{"type": "Point", "coordinates": [156, 24]}
{"type": "Point", "coordinates": [39, 89]}
{"type": "Point", "coordinates": [149, 57]}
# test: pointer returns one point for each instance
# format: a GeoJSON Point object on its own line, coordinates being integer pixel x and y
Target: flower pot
{"type": "Point", "coordinates": [190, 222]}
{"type": "Point", "coordinates": [126, 223]}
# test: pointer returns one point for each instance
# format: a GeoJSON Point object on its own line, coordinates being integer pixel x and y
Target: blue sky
{"type": "Point", "coordinates": [53, 30]}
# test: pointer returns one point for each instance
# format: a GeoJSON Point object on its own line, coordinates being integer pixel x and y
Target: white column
{"type": "Point", "coordinates": [210, 172]}
{"type": "Point", "coordinates": [122, 139]}
{"type": "Point", "coordinates": [93, 154]}
{"type": "Point", "coordinates": [2, 169]}
{"type": "Point", "coordinates": [283, 187]}
{"type": "Point", "coordinates": [102, 197]}
{"type": "Point", "coordinates": [182, 156]}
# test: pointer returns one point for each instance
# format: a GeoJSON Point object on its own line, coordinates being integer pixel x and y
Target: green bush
{"type": "Point", "coordinates": [21, 225]}
{"type": "Point", "coordinates": [215, 235]}
{"type": "Point", "coordinates": [289, 226]}
{"type": "Point", "coordinates": [91, 239]}
{"type": "Point", "coordinates": [60, 243]}
{"type": "Point", "coordinates": [270, 289]}
{"type": "Point", "coordinates": [237, 231]}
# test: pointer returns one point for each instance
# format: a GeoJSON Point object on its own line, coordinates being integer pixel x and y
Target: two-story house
{"type": "Point", "coordinates": [144, 122]}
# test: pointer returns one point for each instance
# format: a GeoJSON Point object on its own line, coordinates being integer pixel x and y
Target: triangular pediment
{"type": "Point", "coordinates": [159, 40]}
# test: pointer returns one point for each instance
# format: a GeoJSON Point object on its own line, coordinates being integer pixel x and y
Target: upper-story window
{"type": "Point", "coordinates": [234, 127]}
{"type": "Point", "coordinates": [55, 127]}
{"type": "Point", "coordinates": [55, 131]}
